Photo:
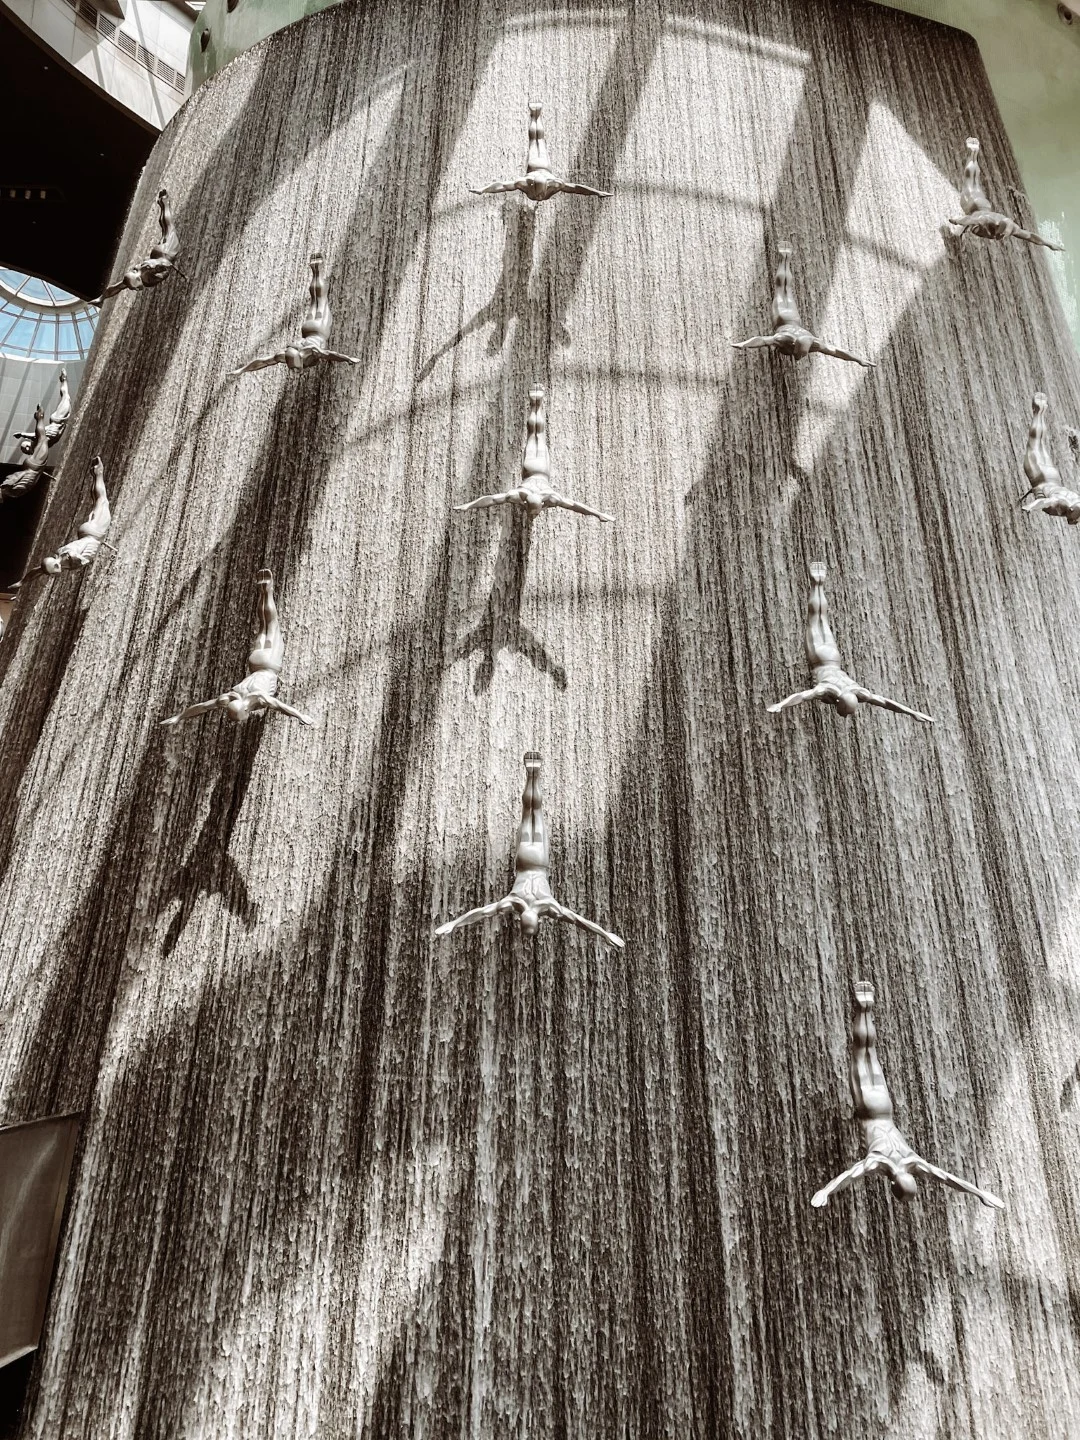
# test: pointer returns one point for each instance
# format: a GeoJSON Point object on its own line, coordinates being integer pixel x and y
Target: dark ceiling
{"type": "Point", "coordinates": [63, 136]}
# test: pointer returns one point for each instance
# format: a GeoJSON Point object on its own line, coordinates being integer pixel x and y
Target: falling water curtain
{"type": "Point", "coordinates": [341, 1178]}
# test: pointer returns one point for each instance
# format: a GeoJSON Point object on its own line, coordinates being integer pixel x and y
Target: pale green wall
{"type": "Point", "coordinates": [1031, 56]}
{"type": "Point", "coordinates": [231, 33]}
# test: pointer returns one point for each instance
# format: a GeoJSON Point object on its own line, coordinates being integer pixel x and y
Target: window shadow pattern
{"type": "Point", "coordinates": [697, 1083]}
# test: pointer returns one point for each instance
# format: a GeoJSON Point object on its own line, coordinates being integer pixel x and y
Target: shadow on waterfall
{"type": "Point", "coordinates": [208, 868]}
{"type": "Point", "coordinates": [510, 301]}
{"type": "Point", "coordinates": [500, 628]}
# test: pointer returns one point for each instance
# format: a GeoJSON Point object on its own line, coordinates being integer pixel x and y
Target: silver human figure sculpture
{"type": "Point", "coordinates": [538, 183]}
{"type": "Point", "coordinates": [887, 1151]}
{"type": "Point", "coordinates": [258, 690]}
{"type": "Point", "coordinates": [164, 258]}
{"type": "Point", "coordinates": [979, 218]}
{"type": "Point", "coordinates": [314, 332]}
{"type": "Point", "coordinates": [832, 686]}
{"type": "Point", "coordinates": [789, 335]}
{"type": "Point", "coordinates": [531, 900]}
{"type": "Point", "coordinates": [57, 420]}
{"type": "Point", "coordinates": [1047, 493]}
{"type": "Point", "coordinates": [535, 492]}
{"type": "Point", "coordinates": [77, 554]}
{"type": "Point", "coordinates": [36, 449]}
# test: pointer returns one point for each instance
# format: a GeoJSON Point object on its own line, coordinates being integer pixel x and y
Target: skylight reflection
{"type": "Point", "coordinates": [40, 321]}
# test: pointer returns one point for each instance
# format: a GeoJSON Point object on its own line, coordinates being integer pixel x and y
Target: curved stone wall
{"type": "Point", "coordinates": [341, 1178]}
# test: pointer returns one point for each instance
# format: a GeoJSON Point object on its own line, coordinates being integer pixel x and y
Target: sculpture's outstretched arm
{"type": "Point", "coordinates": [109, 292]}
{"type": "Point", "coordinates": [562, 912]}
{"type": "Point", "coordinates": [1032, 502]}
{"type": "Point", "coordinates": [1033, 238]}
{"type": "Point", "coordinates": [798, 699]}
{"type": "Point", "coordinates": [564, 504]}
{"type": "Point", "coordinates": [475, 917]}
{"type": "Point", "coordinates": [273, 703]}
{"type": "Point", "coordinates": [482, 502]}
{"type": "Point", "coordinates": [260, 364]}
{"type": "Point", "coordinates": [344, 359]}
{"type": "Point", "coordinates": [886, 704]}
{"type": "Point", "coordinates": [200, 708]}
{"type": "Point", "coordinates": [923, 1167]}
{"type": "Point", "coordinates": [967, 223]}
{"type": "Point", "coordinates": [497, 187]}
{"type": "Point", "coordinates": [572, 188]}
{"type": "Point", "coordinates": [866, 1166]}
{"type": "Point", "coordinates": [1060, 502]}
{"type": "Point", "coordinates": [834, 350]}
{"type": "Point", "coordinates": [756, 342]}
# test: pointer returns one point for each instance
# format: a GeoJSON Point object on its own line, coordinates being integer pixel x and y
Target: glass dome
{"type": "Point", "coordinates": [39, 321]}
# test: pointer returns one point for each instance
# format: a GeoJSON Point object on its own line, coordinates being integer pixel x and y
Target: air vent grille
{"type": "Point", "coordinates": [127, 43]}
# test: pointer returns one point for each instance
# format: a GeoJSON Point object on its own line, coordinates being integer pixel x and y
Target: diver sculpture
{"type": "Point", "coordinates": [979, 218]}
{"type": "Point", "coordinates": [57, 420]}
{"type": "Point", "coordinates": [36, 449]}
{"type": "Point", "coordinates": [530, 900]}
{"type": "Point", "coordinates": [1047, 493]}
{"type": "Point", "coordinates": [78, 554]}
{"type": "Point", "coordinates": [887, 1152]}
{"type": "Point", "coordinates": [258, 690]}
{"type": "Point", "coordinates": [789, 335]}
{"type": "Point", "coordinates": [535, 492]}
{"type": "Point", "coordinates": [314, 332]}
{"type": "Point", "coordinates": [832, 686]}
{"type": "Point", "coordinates": [164, 258]}
{"type": "Point", "coordinates": [538, 183]}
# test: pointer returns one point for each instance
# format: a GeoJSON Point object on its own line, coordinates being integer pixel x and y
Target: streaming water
{"type": "Point", "coordinates": [341, 1178]}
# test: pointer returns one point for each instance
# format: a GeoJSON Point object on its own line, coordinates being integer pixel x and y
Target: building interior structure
{"type": "Point", "coordinates": [339, 1147]}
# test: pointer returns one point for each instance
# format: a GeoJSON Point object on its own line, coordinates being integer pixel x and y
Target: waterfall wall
{"type": "Point", "coordinates": [341, 1178]}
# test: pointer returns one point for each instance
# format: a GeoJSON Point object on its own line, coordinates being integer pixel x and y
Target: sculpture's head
{"type": "Point", "coordinates": [847, 704]}
{"type": "Point", "coordinates": [904, 1186]}
{"type": "Point", "coordinates": [529, 921]}
{"type": "Point", "coordinates": [26, 446]}
{"type": "Point", "coordinates": [237, 707]}
{"type": "Point", "coordinates": [793, 340]}
{"type": "Point", "coordinates": [295, 358]}
{"type": "Point", "coordinates": [51, 565]}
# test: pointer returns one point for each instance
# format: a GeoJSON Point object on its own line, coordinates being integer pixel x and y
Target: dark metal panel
{"type": "Point", "coordinates": [35, 1163]}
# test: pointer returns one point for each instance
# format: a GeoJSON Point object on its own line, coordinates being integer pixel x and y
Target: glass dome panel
{"type": "Point", "coordinates": [18, 335]}
{"type": "Point", "coordinates": [39, 320]}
